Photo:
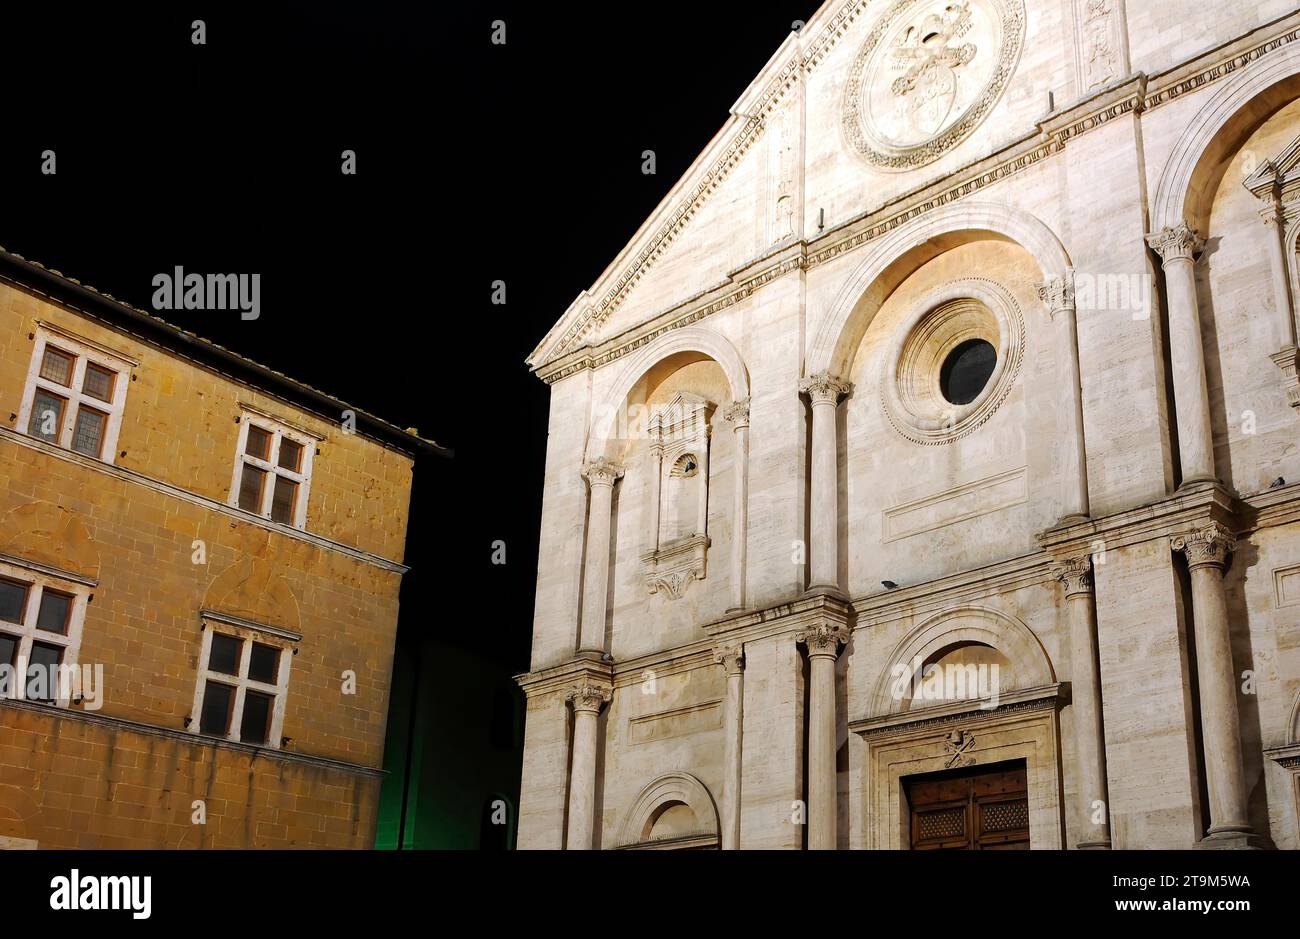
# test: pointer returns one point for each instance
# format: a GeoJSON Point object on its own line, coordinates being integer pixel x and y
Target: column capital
{"type": "Point", "coordinates": [1176, 243]}
{"type": "Point", "coordinates": [1057, 293]}
{"type": "Point", "coordinates": [737, 413]}
{"type": "Point", "coordinates": [602, 472]}
{"type": "Point", "coordinates": [1207, 546]}
{"type": "Point", "coordinates": [825, 388]}
{"type": "Point", "coordinates": [731, 658]}
{"type": "Point", "coordinates": [824, 640]}
{"type": "Point", "coordinates": [1076, 574]}
{"type": "Point", "coordinates": [588, 697]}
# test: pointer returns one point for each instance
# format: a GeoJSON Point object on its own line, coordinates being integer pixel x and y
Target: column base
{"type": "Point", "coordinates": [1093, 845]}
{"type": "Point", "coordinates": [1074, 518]}
{"type": "Point", "coordinates": [1232, 841]}
{"type": "Point", "coordinates": [1198, 482]}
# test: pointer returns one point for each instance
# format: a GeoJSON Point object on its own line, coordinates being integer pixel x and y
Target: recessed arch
{"type": "Point", "coordinates": [1195, 166]}
{"type": "Point", "coordinates": [669, 790]}
{"type": "Point", "coordinates": [839, 333]}
{"type": "Point", "coordinates": [965, 624]}
{"type": "Point", "coordinates": [687, 339]}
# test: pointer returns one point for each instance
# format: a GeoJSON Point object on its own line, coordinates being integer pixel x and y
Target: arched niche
{"type": "Point", "coordinates": [952, 629]}
{"type": "Point", "coordinates": [675, 810]}
{"type": "Point", "coordinates": [1195, 167]}
{"type": "Point", "coordinates": [896, 256]}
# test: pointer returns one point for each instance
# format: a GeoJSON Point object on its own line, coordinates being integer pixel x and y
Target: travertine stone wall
{"type": "Point", "coordinates": [1056, 198]}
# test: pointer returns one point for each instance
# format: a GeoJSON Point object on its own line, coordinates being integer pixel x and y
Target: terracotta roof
{"type": "Point", "coordinates": [85, 299]}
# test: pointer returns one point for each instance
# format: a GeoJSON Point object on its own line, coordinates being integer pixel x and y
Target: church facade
{"type": "Point", "coordinates": [923, 474]}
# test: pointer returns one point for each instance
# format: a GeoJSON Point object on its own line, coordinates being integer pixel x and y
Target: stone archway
{"type": "Point", "coordinates": [675, 810]}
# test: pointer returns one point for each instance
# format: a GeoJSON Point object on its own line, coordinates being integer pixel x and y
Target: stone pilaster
{"type": "Point", "coordinates": [1057, 294]}
{"type": "Point", "coordinates": [737, 414]}
{"type": "Point", "coordinates": [825, 392]}
{"type": "Point", "coordinates": [601, 475]}
{"type": "Point", "coordinates": [586, 699]}
{"type": "Point", "coordinates": [1090, 738]}
{"type": "Point", "coordinates": [732, 660]}
{"type": "Point", "coordinates": [823, 643]}
{"type": "Point", "coordinates": [1178, 248]}
{"type": "Point", "coordinates": [1207, 551]}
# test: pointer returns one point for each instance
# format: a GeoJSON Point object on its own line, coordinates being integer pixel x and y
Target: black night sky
{"type": "Point", "coordinates": [475, 163]}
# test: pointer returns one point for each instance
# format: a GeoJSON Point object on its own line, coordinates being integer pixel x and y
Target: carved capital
{"type": "Point", "coordinates": [1208, 546]}
{"type": "Point", "coordinates": [602, 472]}
{"type": "Point", "coordinates": [825, 388]}
{"type": "Point", "coordinates": [737, 413]}
{"type": "Point", "coordinates": [588, 697]}
{"type": "Point", "coordinates": [1076, 574]}
{"type": "Point", "coordinates": [823, 640]}
{"type": "Point", "coordinates": [1176, 243]}
{"type": "Point", "coordinates": [731, 658]}
{"type": "Point", "coordinates": [1058, 293]}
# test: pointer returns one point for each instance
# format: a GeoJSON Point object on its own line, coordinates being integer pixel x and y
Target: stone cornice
{"type": "Point", "coordinates": [558, 356]}
{"type": "Point", "coordinates": [1047, 697]}
{"type": "Point", "coordinates": [1288, 757]}
{"type": "Point", "coordinates": [963, 587]}
{"type": "Point", "coordinates": [198, 740]}
{"type": "Point", "coordinates": [686, 658]}
{"type": "Point", "coordinates": [212, 505]}
{"type": "Point", "coordinates": [586, 667]}
{"type": "Point", "coordinates": [1167, 517]}
{"type": "Point", "coordinates": [792, 618]}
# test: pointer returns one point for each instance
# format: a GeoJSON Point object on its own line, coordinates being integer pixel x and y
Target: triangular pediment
{"type": "Point", "coordinates": [1281, 173]}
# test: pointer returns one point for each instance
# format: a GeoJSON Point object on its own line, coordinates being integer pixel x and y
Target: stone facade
{"type": "Point", "coordinates": [1102, 196]}
{"type": "Point", "coordinates": [158, 557]}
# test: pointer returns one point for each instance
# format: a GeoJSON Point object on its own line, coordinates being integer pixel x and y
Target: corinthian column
{"type": "Point", "coordinates": [1085, 693]}
{"type": "Point", "coordinates": [824, 391]}
{"type": "Point", "coordinates": [1178, 248]}
{"type": "Point", "coordinates": [738, 415]}
{"type": "Point", "coordinates": [1207, 552]}
{"type": "Point", "coordinates": [587, 700]}
{"type": "Point", "coordinates": [732, 660]}
{"type": "Point", "coordinates": [1058, 295]}
{"type": "Point", "coordinates": [823, 644]}
{"type": "Point", "coordinates": [601, 474]}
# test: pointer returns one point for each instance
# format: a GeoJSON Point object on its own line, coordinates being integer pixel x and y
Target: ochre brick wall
{"type": "Point", "coordinates": [93, 783]}
{"type": "Point", "coordinates": [179, 427]}
{"type": "Point", "coordinates": [72, 783]}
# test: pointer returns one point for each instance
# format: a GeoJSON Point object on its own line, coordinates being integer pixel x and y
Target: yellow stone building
{"type": "Point", "coordinates": [215, 551]}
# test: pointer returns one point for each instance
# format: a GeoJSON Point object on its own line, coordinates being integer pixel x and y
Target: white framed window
{"type": "Point", "coordinates": [75, 394]}
{"type": "Point", "coordinates": [41, 620]}
{"type": "Point", "coordinates": [243, 682]}
{"type": "Point", "coordinates": [272, 470]}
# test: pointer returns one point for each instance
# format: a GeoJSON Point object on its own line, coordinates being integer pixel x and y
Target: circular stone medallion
{"type": "Point", "coordinates": [926, 76]}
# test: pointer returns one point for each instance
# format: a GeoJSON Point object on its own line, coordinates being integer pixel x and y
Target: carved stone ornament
{"type": "Point", "coordinates": [927, 75]}
{"type": "Point", "coordinates": [959, 746]}
{"type": "Point", "coordinates": [824, 639]}
{"type": "Point", "coordinates": [1057, 294]}
{"type": "Point", "coordinates": [1178, 243]}
{"type": "Point", "coordinates": [737, 413]}
{"type": "Point", "coordinates": [731, 658]}
{"type": "Point", "coordinates": [1076, 574]}
{"type": "Point", "coordinates": [825, 388]}
{"type": "Point", "coordinates": [588, 697]}
{"type": "Point", "coordinates": [1207, 546]}
{"type": "Point", "coordinates": [603, 471]}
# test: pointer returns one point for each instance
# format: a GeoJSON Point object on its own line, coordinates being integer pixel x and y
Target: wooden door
{"type": "Point", "coordinates": [983, 808]}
